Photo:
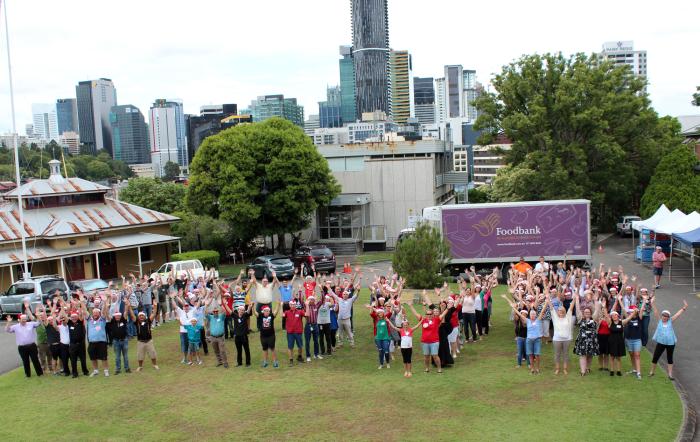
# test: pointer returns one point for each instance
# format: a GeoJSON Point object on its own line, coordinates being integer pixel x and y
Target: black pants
{"type": "Point", "coordinates": [333, 336]}
{"type": "Point", "coordinates": [63, 355]}
{"type": "Point", "coordinates": [242, 344]}
{"type": "Point", "coordinates": [324, 331]}
{"type": "Point", "coordinates": [203, 340]}
{"type": "Point", "coordinates": [469, 320]}
{"type": "Point", "coordinates": [479, 321]}
{"type": "Point", "coordinates": [27, 352]}
{"type": "Point", "coordinates": [77, 351]}
{"type": "Point", "coordinates": [658, 351]}
{"type": "Point", "coordinates": [485, 321]}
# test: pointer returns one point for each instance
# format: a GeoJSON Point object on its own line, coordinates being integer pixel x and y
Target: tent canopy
{"type": "Point", "coordinates": [680, 224]}
{"type": "Point", "coordinates": [691, 238]}
{"type": "Point", "coordinates": [661, 213]}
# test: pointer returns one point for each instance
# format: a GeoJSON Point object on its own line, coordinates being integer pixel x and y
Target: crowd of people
{"type": "Point", "coordinates": [604, 313]}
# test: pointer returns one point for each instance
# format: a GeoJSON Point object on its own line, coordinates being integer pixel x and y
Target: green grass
{"type": "Point", "coordinates": [371, 257]}
{"type": "Point", "coordinates": [230, 270]}
{"type": "Point", "coordinates": [482, 397]}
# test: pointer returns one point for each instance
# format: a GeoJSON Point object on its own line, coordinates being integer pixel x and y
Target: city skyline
{"type": "Point", "coordinates": [182, 62]}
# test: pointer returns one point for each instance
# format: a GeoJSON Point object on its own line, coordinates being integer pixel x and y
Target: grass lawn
{"type": "Point", "coordinates": [482, 397]}
{"type": "Point", "coordinates": [370, 257]}
{"type": "Point", "coordinates": [230, 270]}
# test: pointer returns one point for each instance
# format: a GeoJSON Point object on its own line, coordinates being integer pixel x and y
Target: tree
{"type": "Point", "coordinates": [262, 178]}
{"type": "Point", "coordinates": [421, 257]}
{"type": "Point", "coordinates": [98, 170]}
{"type": "Point", "coordinates": [696, 97]}
{"type": "Point", "coordinates": [171, 171]}
{"type": "Point", "coordinates": [674, 183]}
{"type": "Point", "coordinates": [154, 194]}
{"type": "Point", "coordinates": [202, 232]}
{"type": "Point", "coordinates": [478, 195]}
{"type": "Point", "coordinates": [581, 128]}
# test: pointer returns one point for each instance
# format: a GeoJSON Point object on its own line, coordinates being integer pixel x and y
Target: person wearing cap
{"type": "Point", "coordinates": [587, 340]}
{"type": "Point", "coordinates": [324, 325]}
{"type": "Point", "coordinates": [563, 324]}
{"type": "Point", "coordinates": [345, 302]}
{"type": "Point", "coordinates": [76, 333]}
{"type": "Point", "coordinates": [603, 337]}
{"type": "Point", "coordinates": [381, 335]}
{"type": "Point", "coordinates": [267, 333]}
{"type": "Point", "coordinates": [633, 334]}
{"type": "Point", "coordinates": [311, 328]}
{"type": "Point", "coordinates": [406, 333]}
{"type": "Point", "coordinates": [120, 340]}
{"type": "Point", "coordinates": [53, 340]}
{"type": "Point", "coordinates": [184, 315]}
{"type": "Point", "coordinates": [25, 338]}
{"type": "Point", "coordinates": [646, 313]}
{"type": "Point", "coordinates": [430, 336]}
{"type": "Point", "coordinates": [665, 337]}
{"type": "Point", "coordinates": [217, 325]}
{"type": "Point", "coordinates": [97, 337]}
{"type": "Point", "coordinates": [616, 339]}
{"type": "Point", "coordinates": [478, 309]}
{"type": "Point", "coordinates": [194, 336]}
{"type": "Point", "coordinates": [294, 326]}
{"type": "Point", "coordinates": [658, 258]}
{"type": "Point", "coordinates": [144, 337]}
{"type": "Point", "coordinates": [241, 328]}
{"type": "Point", "coordinates": [286, 289]}
{"type": "Point", "coordinates": [533, 342]}
{"type": "Point", "coordinates": [468, 313]}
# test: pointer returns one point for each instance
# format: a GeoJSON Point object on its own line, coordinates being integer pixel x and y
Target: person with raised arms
{"type": "Point", "coordinates": [430, 338]}
{"type": "Point", "coordinates": [665, 337]}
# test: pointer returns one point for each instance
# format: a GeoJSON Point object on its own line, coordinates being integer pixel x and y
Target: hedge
{"type": "Point", "coordinates": [209, 258]}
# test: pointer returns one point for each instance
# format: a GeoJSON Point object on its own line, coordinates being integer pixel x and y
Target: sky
{"type": "Point", "coordinates": [217, 51]}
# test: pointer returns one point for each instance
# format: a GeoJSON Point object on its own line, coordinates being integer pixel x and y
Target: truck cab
{"type": "Point", "coordinates": [624, 225]}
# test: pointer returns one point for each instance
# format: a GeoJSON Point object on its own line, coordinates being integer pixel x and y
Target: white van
{"type": "Point", "coordinates": [193, 266]}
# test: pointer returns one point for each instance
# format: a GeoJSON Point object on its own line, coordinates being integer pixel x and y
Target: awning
{"type": "Point", "coordinates": [106, 244]}
{"type": "Point", "coordinates": [691, 238]}
{"type": "Point", "coordinates": [680, 224]}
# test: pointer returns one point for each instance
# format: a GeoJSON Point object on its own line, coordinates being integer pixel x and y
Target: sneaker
{"type": "Point", "coordinates": [138, 369]}
{"type": "Point", "coordinates": [612, 373]}
{"type": "Point", "coordinates": [299, 358]}
{"type": "Point", "coordinates": [388, 365]}
{"type": "Point", "coordinates": [155, 367]}
{"type": "Point", "coordinates": [117, 372]}
{"type": "Point", "coordinates": [632, 372]}
{"type": "Point", "coordinates": [264, 364]}
{"type": "Point", "coordinates": [319, 357]}
{"type": "Point", "coordinates": [128, 370]}
{"type": "Point", "coordinates": [94, 373]}
{"type": "Point", "coordinates": [619, 373]}
{"type": "Point", "coordinates": [291, 362]}
{"type": "Point", "coordinates": [183, 361]}
{"type": "Point", "coordinates": [275, 364]}
{"type": "Point", "coordinates": [199, 362]}
{"type": "Point", "coordinates": [639, 376]}
{"type": "Point", "coordinates": [106, 373]}
{"type": "Point", "coordinates": [380, 367]}
{"type": "Point", "coordinates": [308, 359]}
{"type": "Point", "coordinates": [188, 363]}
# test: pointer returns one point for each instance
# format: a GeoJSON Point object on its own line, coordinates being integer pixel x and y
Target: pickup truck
{"type": "Point", "coordinates": [624, 226]}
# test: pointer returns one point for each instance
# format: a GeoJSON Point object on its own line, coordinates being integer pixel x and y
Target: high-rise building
{"type": "Point", "coordinates": [311, 124]}
{"type": "Point", "coordinates": [455, 94]}
{"type": "Point", "coordinates": [95, 99]}
{"type": "Point", "coordinates": [329, 111]}
{"type": "Point", "coordinates": [424, 99]}
{"type": "Point", "coordinates": [129, 135]}
{"type": "Point", "coordinates": [440, 101]}
{"type": "Point", "coordinates": [623, 53]}
{"type": "Point", "coordinates": [268, 106]}
{"type": "Point", "coordinates": [67, 115]}
{"type": "Point", "coordinates": [348, 105]}
{"type": "Point", "coordinates": [70, 141]}
{"type": "Point", "coordinates": [167, 135]}
{"type": "Point", "coordinates": [471, 93]}
{"type": "Point", "coordinates": [45, 123]}
{"type": "Point", "coordinates": [211, 120]}
{"type": "Point", "coordinates": [402, 107]}
{"type": "Point", "coordinates": [370, 38]}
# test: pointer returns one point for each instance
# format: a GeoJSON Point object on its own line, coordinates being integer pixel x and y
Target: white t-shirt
{"type": "Point", "coordinates": [406, 338]}
{"type": "Point", "coordinates": [468, 304]}
{"type": "Point", "coordinates": [477, 302]}
{"type": "Point", "coordinates": [562, 327]}
{"type": "Point", "coordinates": [542, 267]}
{"type": "Point", "coordinates": [64, 337]}
{"type": "Point", "coordinates": [263, 295]}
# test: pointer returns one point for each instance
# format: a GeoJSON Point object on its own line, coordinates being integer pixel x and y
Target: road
{"type": "Point", "coordinates": [9, 359]}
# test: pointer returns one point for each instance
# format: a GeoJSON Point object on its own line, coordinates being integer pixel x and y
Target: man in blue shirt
{"type": "Point", "coordinates": [217, 322]}
{"type": "Point", "coordinates": [97, 334]}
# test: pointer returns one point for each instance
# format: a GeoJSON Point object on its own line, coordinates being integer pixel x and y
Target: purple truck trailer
{"type": "Point", "coordinates": [503, 232]}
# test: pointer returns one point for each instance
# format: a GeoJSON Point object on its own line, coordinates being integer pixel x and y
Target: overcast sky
{"type": "Point", "coordinates": [211, 52]}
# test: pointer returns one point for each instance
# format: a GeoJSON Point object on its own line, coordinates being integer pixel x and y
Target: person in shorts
{"type": "Point", "coordinates": [194, 330]}
{"type": "Point", "coordinates": [294, 327]}
{"type": "Point", "coordinates": [97, 336]}
{"type": "Point", "coordinates": [430, 338]}
{"type": "Point", "coordinates": [266, 319]}
{"type": "Point", "coordinates": [144, 338]}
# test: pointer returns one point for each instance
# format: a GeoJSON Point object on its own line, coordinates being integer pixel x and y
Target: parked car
{"type": "Point", "coordinates": [624, 226]}
{"type": "Point", "coordinates": [405, 233]}
{"type": "Point", "coordinates": [319, 256]}
{"type": "Point", "coordinates": [36, 290]}
{"type": "Point", "coordinates": [194, 266]}
{"type": "Point", "coordinates": [88, 286]}
{"type": "Point", "coordinates": [263, 266]}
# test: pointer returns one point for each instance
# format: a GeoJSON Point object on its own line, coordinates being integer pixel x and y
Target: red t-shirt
{"type": "Point", "coordinates": [603, 328]}
{"type": "Point", "coordinates": [293, 321]}
{"type": "Point", "coordinates": [430, 333]}
{"type": "Point", "coordinates": [309, 288]}
{"type": "Point", "coordinates": [454, 319]}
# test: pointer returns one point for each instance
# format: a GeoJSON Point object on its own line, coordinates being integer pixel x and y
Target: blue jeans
{"type": "Point", "coordinates": [522, 354]}
{"type": "Point", "coordinates": [130, 328]}
{"type": "Point", "coordinates": [383, 349]}
{"type": "Point", "coordinates": [184, 344]}
{"type": "Point", "coordinates": [147, 309]}
{"type": "Point", "coordinates": [121, 348]}
{"type": "Point", "coordinates": [645, 330]}
{"type": "Point", "coordinates": [309, 331]}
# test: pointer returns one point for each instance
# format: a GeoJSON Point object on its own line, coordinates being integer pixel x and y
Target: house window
{"type": "Point", "coordinates": [146, 254]}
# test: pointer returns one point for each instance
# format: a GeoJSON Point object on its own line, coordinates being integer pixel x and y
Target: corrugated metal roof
{"type": "Point", "coordinates": [47, 188]}
{"type": "Point", "coordinates": [41, 253]}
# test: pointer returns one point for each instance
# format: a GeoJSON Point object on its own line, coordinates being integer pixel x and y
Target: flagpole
{"type": "Point", "coordinates": [26, 274]}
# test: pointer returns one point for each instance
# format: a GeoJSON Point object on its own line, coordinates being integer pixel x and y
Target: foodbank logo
{"type": "Point", "coordinates": [488, 225]}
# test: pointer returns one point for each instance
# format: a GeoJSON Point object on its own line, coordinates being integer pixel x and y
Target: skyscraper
{"type": "Point", "coordinates": [95, 100]}
{"type": "Point", "coordinates": [402, 107]}
{"type": "Point", "coordinates": [370, 37]}
{"type": "Point", "coordinates": [67, 115]}
{"type": "Point", "coordinates": [167, 134]}
{"type": "Point", "coordinates": [268, 106]}
{"type": "Point", "coordinates": [440, 101]}
{"type": "Point", "coordinates": [44, 119]}
{"type": "Point", "coordinates": [471, 93]}
{"type": "Point", "coordinates": [329, 110]}
{"type": "Point", "coordinates": [424, 99]}
{"type": "Point", "coordinates": [129, 135]}
{"type": "Point", "coordinates": [623, 53]}
{"type": "Point", "coordinates": [455, 94]}
{"type": "Point", "coordinates": [210, 121]}
{"type": "Point", "coordinates": [348, 105]}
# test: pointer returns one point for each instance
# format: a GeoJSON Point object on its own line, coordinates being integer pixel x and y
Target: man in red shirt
{"type": "Point", "coordinates": [658, 258]}
{"type": "Point", "coordinates": [294, 325]}
{"type": "Point", "coordinates": [430, 338]}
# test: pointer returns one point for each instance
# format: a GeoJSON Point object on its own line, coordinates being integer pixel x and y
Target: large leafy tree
{"type": "Point", "coordinates": [262, 178]}
{"type": "Point", "coordinates": [674, 183]}
{"type": "Point", "coordinates": [581, 128]}
{"type": "Point", "coordinates": [171, 171]}
{"type": "Point", "coordinates": [421, 257]}
{"type": "Point", "coordinates": [202, 232]}
{"type": "Point", "coordinates": [154, 194]}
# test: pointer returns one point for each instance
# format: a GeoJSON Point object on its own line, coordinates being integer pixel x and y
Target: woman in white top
{"type": "Point", "coordinates": [406, 333]}
{"type": "Point", "coordinates": [563, 323]}
{"type": "Point", "coordinates": [469, 314]}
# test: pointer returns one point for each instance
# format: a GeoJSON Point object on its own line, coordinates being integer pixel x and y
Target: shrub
{"type": "Point", "coordinates": [421, 257]}
{"type": "Point", "coordinates": [208, 258]}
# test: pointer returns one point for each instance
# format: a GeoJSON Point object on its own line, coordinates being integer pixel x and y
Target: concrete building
{"type": "Point", "coordinates": [70, 141]}
{"type": "Point", "coordinates": [370, 38]}
{"type": "Point", "coordinates": [130, 141]}
{"type": "Point", "coordinates": [144, 170]}
{"type": "Point", "coordinates": [168, 137]}
{"type": "Point", "coordinates": [336, 135]}
{"type": "Point", "coordinates": [455, 95]}
{"type": "Point", "coordinates": [312, 124]}
{"type": "Point", "coordinates": [401, 75]}
{"type": "Point", "coordinates": [383, 184]}
{"type": "Point", "coordinates": [488, 160]}
{"type": "Point", "coordinates": [72, 229]}
{"type": "Point", "coordinates": [268, 106]}
{"type": "Point", "coordinates": [329, 111]}
{"type": "Point", "coordinates": [45, 123]}
{"type": "Point", "coordinates": [623, 53]}
{"type": "Point", "coordinates": [424, 99]}
{"type": "Point", "coordinates": [67, 115]}
{"type": "Point", "coordinates": [95, 99]}
{"type": "Point", "coordinates": [440, 101]}
{"type": "Point", "coordinates": [210, 121]}
{"type": "Point", "coordinates": [348, 105]}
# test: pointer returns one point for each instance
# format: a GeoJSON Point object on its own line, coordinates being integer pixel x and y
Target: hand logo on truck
{"type": "Point", "coordinates": [486, 226]}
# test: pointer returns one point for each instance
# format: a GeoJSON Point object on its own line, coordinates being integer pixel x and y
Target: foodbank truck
{"type": "Point", "coordinates": [500, 233]}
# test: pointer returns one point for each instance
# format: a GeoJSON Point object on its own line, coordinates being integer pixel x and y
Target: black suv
{"type": "Point", "coordinates": [320, 256]}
